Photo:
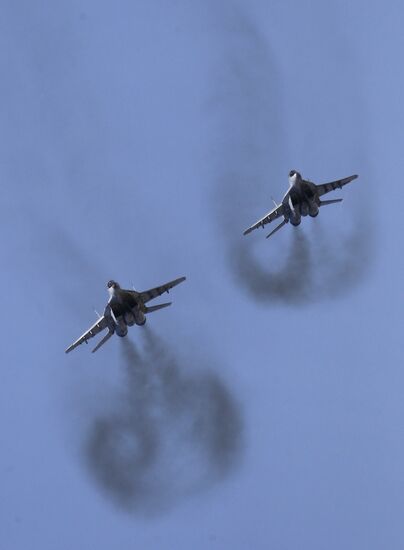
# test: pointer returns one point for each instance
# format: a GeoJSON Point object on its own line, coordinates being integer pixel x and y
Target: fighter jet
{"type": "Point", "coordinates": [301, 199]}
{"type": "Point", "coordinates": [124, 309]}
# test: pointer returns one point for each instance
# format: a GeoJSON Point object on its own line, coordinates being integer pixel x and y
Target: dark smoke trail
{"type": "Point", "coordinates": [291, 283]}
{"type": "Point", "coordinates": [246, 105]}
{"type": "Point", "coordinates": [172, 433]}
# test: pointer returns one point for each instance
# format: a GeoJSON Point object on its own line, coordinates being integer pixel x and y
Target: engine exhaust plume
{"type": "Point", "coordinates": [174, 431]}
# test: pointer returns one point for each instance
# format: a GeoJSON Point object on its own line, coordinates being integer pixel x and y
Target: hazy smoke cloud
{"type": "Point", "coordinates": [290, 283]}
{"type": "Point", "coordinates": [246, 106]}
{"type": "Point", "coordinates": [172, 432]}
{"type": "Point", "coordinates": [44, 256]}
{"type": "Point", "coordinates": [312, 269]}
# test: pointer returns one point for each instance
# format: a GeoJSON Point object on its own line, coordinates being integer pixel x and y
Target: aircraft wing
{"type": "Point", "coordinates": [148, 295]}
{"type": "Point", "coordinates": [277, 212]}
{"type": "Point", "coordinates": [324, 188]}
{"type": "Point", "coordinates": [97, 327]}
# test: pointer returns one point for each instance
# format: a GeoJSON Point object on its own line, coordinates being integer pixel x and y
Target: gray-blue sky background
{"type": "Point", "coordinates": [123, 128]}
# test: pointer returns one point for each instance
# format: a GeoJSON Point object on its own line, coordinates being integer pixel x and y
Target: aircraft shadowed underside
{"type": "Point", "coordinates": [124, 309]}
{"type": "Point", "coordinates": [302, 199]}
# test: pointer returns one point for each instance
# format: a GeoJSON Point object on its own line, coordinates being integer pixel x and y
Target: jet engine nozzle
{"type": "Point", "coordinates": [121, 330]}
{"type": "Point", "coordinates": [313, 212]}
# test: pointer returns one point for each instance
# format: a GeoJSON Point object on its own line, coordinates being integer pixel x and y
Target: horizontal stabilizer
{"type": "Point", "coordinates": [150, 309]}
{"type": "Point", "coordinates": [331, 201]}
{"type": "Point", "coordinates": [102, 341]}
{"type": "Point", "coordinates": [276, 228]}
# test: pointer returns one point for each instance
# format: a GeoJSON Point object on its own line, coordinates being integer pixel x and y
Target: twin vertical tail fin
{"type": "Point", "coordinates": [284, 222]}
{"type": "Point", "coordinates": [277, 228]}
{"type": "Point", "coordinates": [149, 309]}
{"type": "Point", "coordinates": [102, 341]}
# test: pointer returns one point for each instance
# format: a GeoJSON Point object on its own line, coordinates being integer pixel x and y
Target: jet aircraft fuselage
{"type": "Point", "coordinates": [301, 199]}
{"type": "Point", "coordinates": [124, 309]}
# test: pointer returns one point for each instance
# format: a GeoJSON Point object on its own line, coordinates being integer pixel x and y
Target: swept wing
{"type": "Point", "coordinates": [97, 327]}
{"type": "Point", "coordinates": [324, 188]}
{"type": "Point", "coordinates": [276, 213]}
{"type": "Point", "coordinates": [152, 293]}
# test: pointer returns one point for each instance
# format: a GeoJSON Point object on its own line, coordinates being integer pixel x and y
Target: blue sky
{"type": "Point", "coordinates": [138, 142]}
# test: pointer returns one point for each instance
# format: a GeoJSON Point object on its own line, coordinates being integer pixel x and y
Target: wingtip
{"type": "Point", "coordinates": [178, 281]}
